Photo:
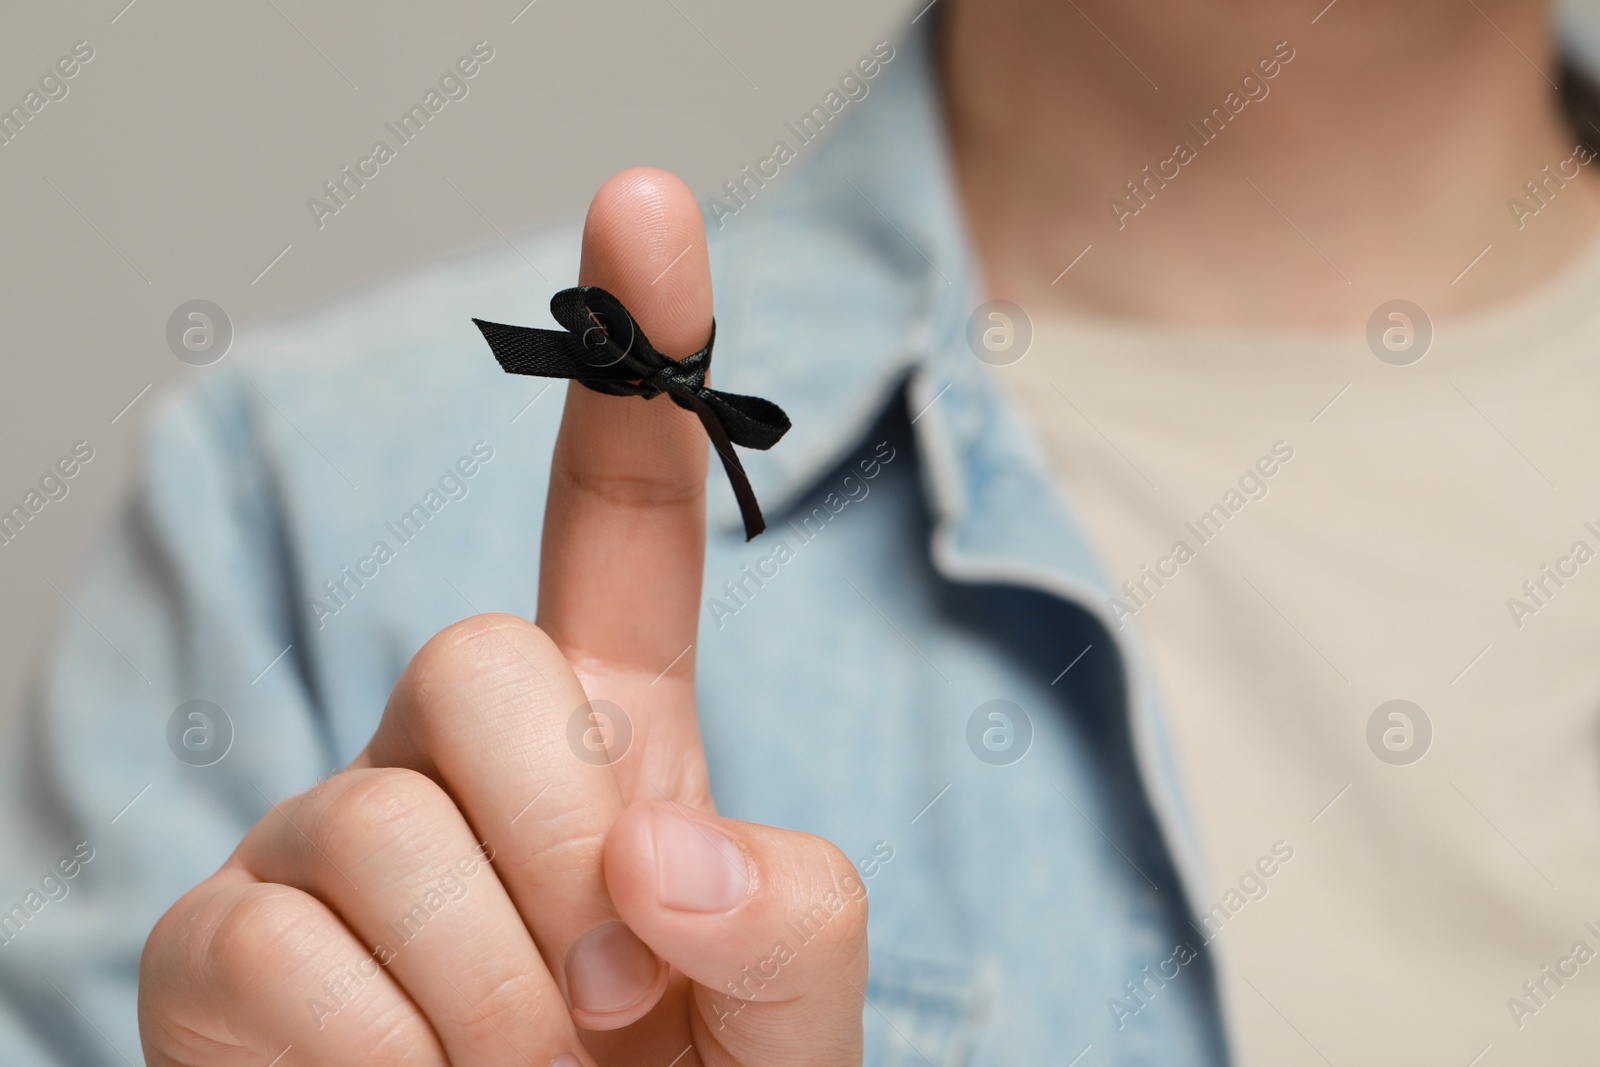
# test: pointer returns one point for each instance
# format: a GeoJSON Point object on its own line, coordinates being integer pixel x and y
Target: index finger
{"type": "Point", "coordinates": [624, 531]}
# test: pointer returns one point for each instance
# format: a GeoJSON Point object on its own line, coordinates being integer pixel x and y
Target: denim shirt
{"type": "Point", "coordinates": [1032, 877]}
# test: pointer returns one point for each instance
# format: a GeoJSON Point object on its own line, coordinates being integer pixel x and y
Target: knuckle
{"type": "Point", "coordinates": [518, 1003]}
{"type": "Point", "coordinates": [253, 929]}
{"type": "Point", "coordinates": [366, 811]}
{"type": "Point", "coordinates": [171, 946]}
{"type": "Point", "coordinates": [400, 1046]}
{"type": "Point", "coordinates": [492, 656]}
{"type": "Point", "coordinates": [176, 922]}
{"type": "Point", "coordinates": [570, 847]}
{"type": "Point", "coordinates": [840, 869]}
{"type": "Point", "coordinates": [494, 640]}
{"type": "Point", "coordinates": [844, 881]}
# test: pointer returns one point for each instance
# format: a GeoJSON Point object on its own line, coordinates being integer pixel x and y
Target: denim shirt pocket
{"type": "Point", "coordinates": [922, 1012]}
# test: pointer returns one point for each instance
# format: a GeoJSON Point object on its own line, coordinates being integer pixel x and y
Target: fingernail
{"type": "Point", "coordinates": [697, 868]}
{"type": "Point", "coordinates": [566, 1059]}
{"type": "Point", "coordinates": [609, 969]}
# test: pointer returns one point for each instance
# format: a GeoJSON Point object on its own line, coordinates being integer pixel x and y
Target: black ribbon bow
{"type": "Point", "coordinates": [604, 349]}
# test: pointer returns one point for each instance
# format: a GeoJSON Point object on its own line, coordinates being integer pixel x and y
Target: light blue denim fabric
{"type": "Point", "coordinates": [928, 567]}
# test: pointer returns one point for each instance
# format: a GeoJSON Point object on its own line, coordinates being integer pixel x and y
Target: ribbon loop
{"type": "Point", "coordinates": [603, 349]}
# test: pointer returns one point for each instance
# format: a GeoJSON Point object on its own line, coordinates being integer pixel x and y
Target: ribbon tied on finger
{"type": "Point", "coordinates": [604, 349]}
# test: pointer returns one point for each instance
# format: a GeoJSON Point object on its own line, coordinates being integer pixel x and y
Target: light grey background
{"type": "Point", "coordinates": [179, 164]}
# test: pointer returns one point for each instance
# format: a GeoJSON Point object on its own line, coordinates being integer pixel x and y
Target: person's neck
{"type": "Point", "coordinates": [1377, 166]}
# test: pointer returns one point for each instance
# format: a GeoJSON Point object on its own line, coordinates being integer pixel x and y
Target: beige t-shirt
{"type": "Point", "coordinates": [1357, 532]}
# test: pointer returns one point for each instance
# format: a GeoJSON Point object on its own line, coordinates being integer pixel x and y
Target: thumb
{"type": "Point", "coordinates": [770, 924]}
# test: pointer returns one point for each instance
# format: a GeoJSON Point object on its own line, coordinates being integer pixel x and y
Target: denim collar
{"type": "Point", "coordinates": [840, 278]}
{"type": "Point", "coordinates": [841, 281]}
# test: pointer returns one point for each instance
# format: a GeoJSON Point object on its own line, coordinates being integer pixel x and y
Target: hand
{"type": "Point", "coordinates": [470, 890]}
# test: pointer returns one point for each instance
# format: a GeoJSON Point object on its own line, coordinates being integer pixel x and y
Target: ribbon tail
{"type": "Point", "coordinates": [749, 509]}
